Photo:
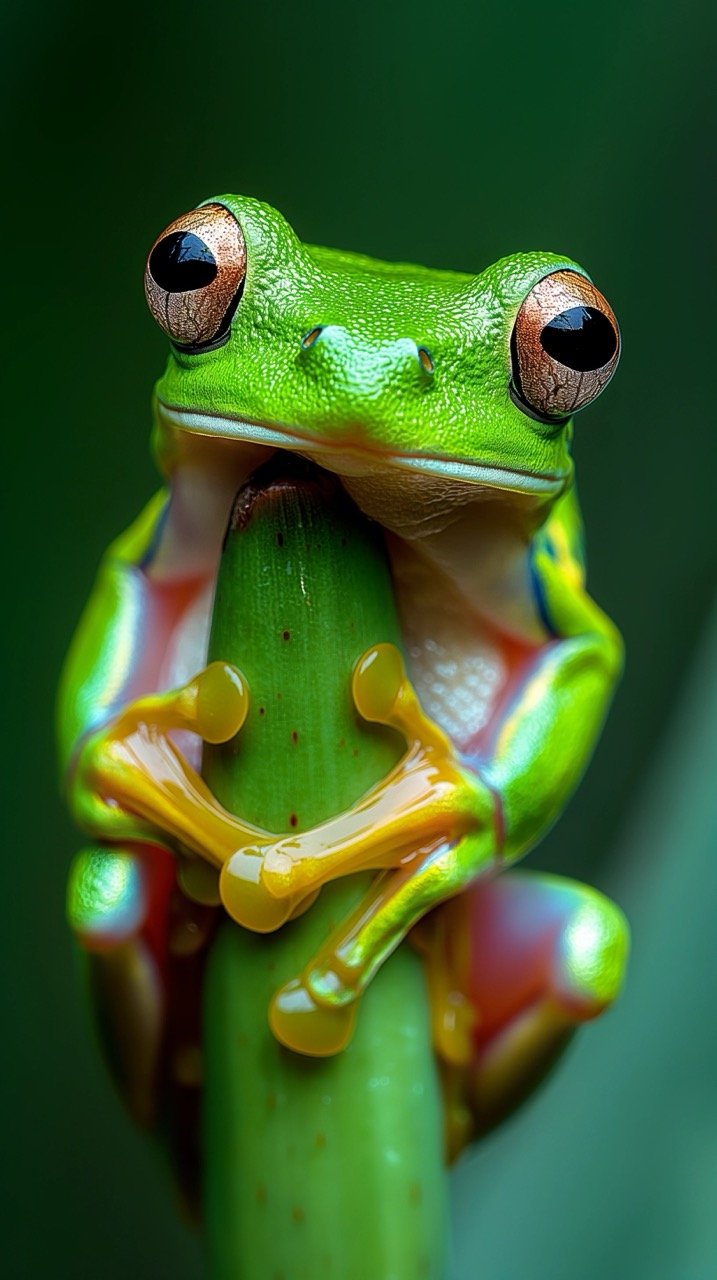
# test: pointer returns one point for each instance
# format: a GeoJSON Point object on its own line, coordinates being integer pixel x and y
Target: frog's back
{"type": "Point", "coordinates": [340, 262]}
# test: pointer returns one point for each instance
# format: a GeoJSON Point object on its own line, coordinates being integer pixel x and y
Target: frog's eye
{"type": "Point", "coordinates": [565, 346]}
{"type": "Point", "coordinates": [194, 277]}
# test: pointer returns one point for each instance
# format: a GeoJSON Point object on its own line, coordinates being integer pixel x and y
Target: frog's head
{"type": "Point", "coordinates": [468, 382]}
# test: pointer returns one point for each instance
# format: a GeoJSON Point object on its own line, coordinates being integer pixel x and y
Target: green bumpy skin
{"type": "Point", "coordinates": [361, 383]}
{"type": "Point", "coordinates": [443, 402]}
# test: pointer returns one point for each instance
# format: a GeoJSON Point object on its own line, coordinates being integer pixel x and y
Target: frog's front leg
{"type": "Point", "coordinates": [315, 1013]}
{"type": "Point", "coordinates": [540, 744]}
{"type": "Point", "coordinates": [427, 803]}
{"type": "Point", "coordinates": [131, 783]}
{"type": "Point", "coordinates": [144, 629]}
{"type": "Point", "coordinates": [431, 821]}
{"type": "Point", "coordinates": [480, 817]}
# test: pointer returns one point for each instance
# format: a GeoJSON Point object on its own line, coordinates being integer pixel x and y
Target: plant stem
{"type": "Point", "coordinates": [315, 1168]}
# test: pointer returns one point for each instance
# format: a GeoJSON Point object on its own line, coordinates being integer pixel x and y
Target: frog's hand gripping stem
{"type": "Point", "coordinates": [132, 783]}
{"type": "Point", "coordinates": [429, 822]}
{"type": "Point", "coordinates": [147, 607]}
{"type": "Point", "coordinates": [436, 823]}
{"type": "Point", "coordinates": [143, 625]}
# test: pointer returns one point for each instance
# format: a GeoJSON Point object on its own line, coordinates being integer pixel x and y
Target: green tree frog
{"type": "Point", "coordinates": [444, 402]}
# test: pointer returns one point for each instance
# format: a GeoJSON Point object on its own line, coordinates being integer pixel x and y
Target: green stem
{"type": "Point", "coordinates": [315, 1168]}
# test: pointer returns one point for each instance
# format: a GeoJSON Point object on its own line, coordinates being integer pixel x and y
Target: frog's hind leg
{"type": "Point", "coordinates": [514, 966]}
{"type": "Point", "coordinates": [144, 945]}
{"type": "Point", "coordinates": [117, 905]}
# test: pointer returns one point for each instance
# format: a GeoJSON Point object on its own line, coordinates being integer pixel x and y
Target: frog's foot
{"type": "Point", "coordinates": [443, 939]}
{"type": "Point", "coordinates": [133, 784]}
{"type": "Point", "coordinates": [534, 956]}
{"type": "Point", "coordinates": [426, 801]}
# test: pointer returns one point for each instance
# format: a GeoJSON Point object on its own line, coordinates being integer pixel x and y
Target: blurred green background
{"type": "Point", "coordinates": [449, 135]}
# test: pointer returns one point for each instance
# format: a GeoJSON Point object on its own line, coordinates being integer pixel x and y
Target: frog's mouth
{"type": "Point", "coordinates": [354, 460]}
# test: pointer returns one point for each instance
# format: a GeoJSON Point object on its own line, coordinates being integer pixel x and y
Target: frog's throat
{"type": "Point", "coordinates": [467, 470]}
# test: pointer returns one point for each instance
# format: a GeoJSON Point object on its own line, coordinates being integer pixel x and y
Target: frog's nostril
{"type": "Point", "coordinates": [310, 338]}
{"type": "Point", "coordinates": [426, 359]}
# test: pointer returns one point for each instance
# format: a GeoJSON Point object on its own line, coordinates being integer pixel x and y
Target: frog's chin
{"type": "Point", "coordinates": [357, 462]}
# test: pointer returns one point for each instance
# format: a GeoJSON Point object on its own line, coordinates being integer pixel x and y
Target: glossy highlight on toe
{"type": "Point", "coordinates": [222, 702]}
{"type": "Point", "coordinates": [377, 681]}
{"type": "Point", "coordinates": [301, 1024]}
{"type": "Point", "coordinates": [244, 896]}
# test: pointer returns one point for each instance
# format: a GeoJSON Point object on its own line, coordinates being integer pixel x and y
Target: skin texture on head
{"type": "Point", "coordinates": [357, 356]}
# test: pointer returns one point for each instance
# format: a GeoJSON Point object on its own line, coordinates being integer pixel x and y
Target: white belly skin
{"type": "Point", "coordinates": [456, 664]}
{"type": "Point", "coordinates": [459, 663]}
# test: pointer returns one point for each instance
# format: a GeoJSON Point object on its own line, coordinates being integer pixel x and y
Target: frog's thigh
{"type": "Point", "coordinates": [109, 894]}
{"type": "Point", "coordinates": [533, 936]}
{"type": "Point", "coordinates": [117, 905]}
{"type": "Point", "coordinates": [535, 955]}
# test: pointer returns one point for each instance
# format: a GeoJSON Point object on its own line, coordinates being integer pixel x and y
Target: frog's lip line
{"type": "Point", "coordinates": [431, 464]}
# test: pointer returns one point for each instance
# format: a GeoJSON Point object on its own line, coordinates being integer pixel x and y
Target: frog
{"type": "Point", "coordinates": [444, 402]}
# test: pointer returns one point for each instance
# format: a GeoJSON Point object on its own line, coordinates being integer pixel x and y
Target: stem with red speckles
{"type": "Point", "coordinates": [314, 1167]}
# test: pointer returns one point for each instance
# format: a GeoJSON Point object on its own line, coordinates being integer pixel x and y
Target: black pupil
{"type": "Point", "coordinates": [582, 338]}
{"type": "Point", "coordinates": [181, 262]}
